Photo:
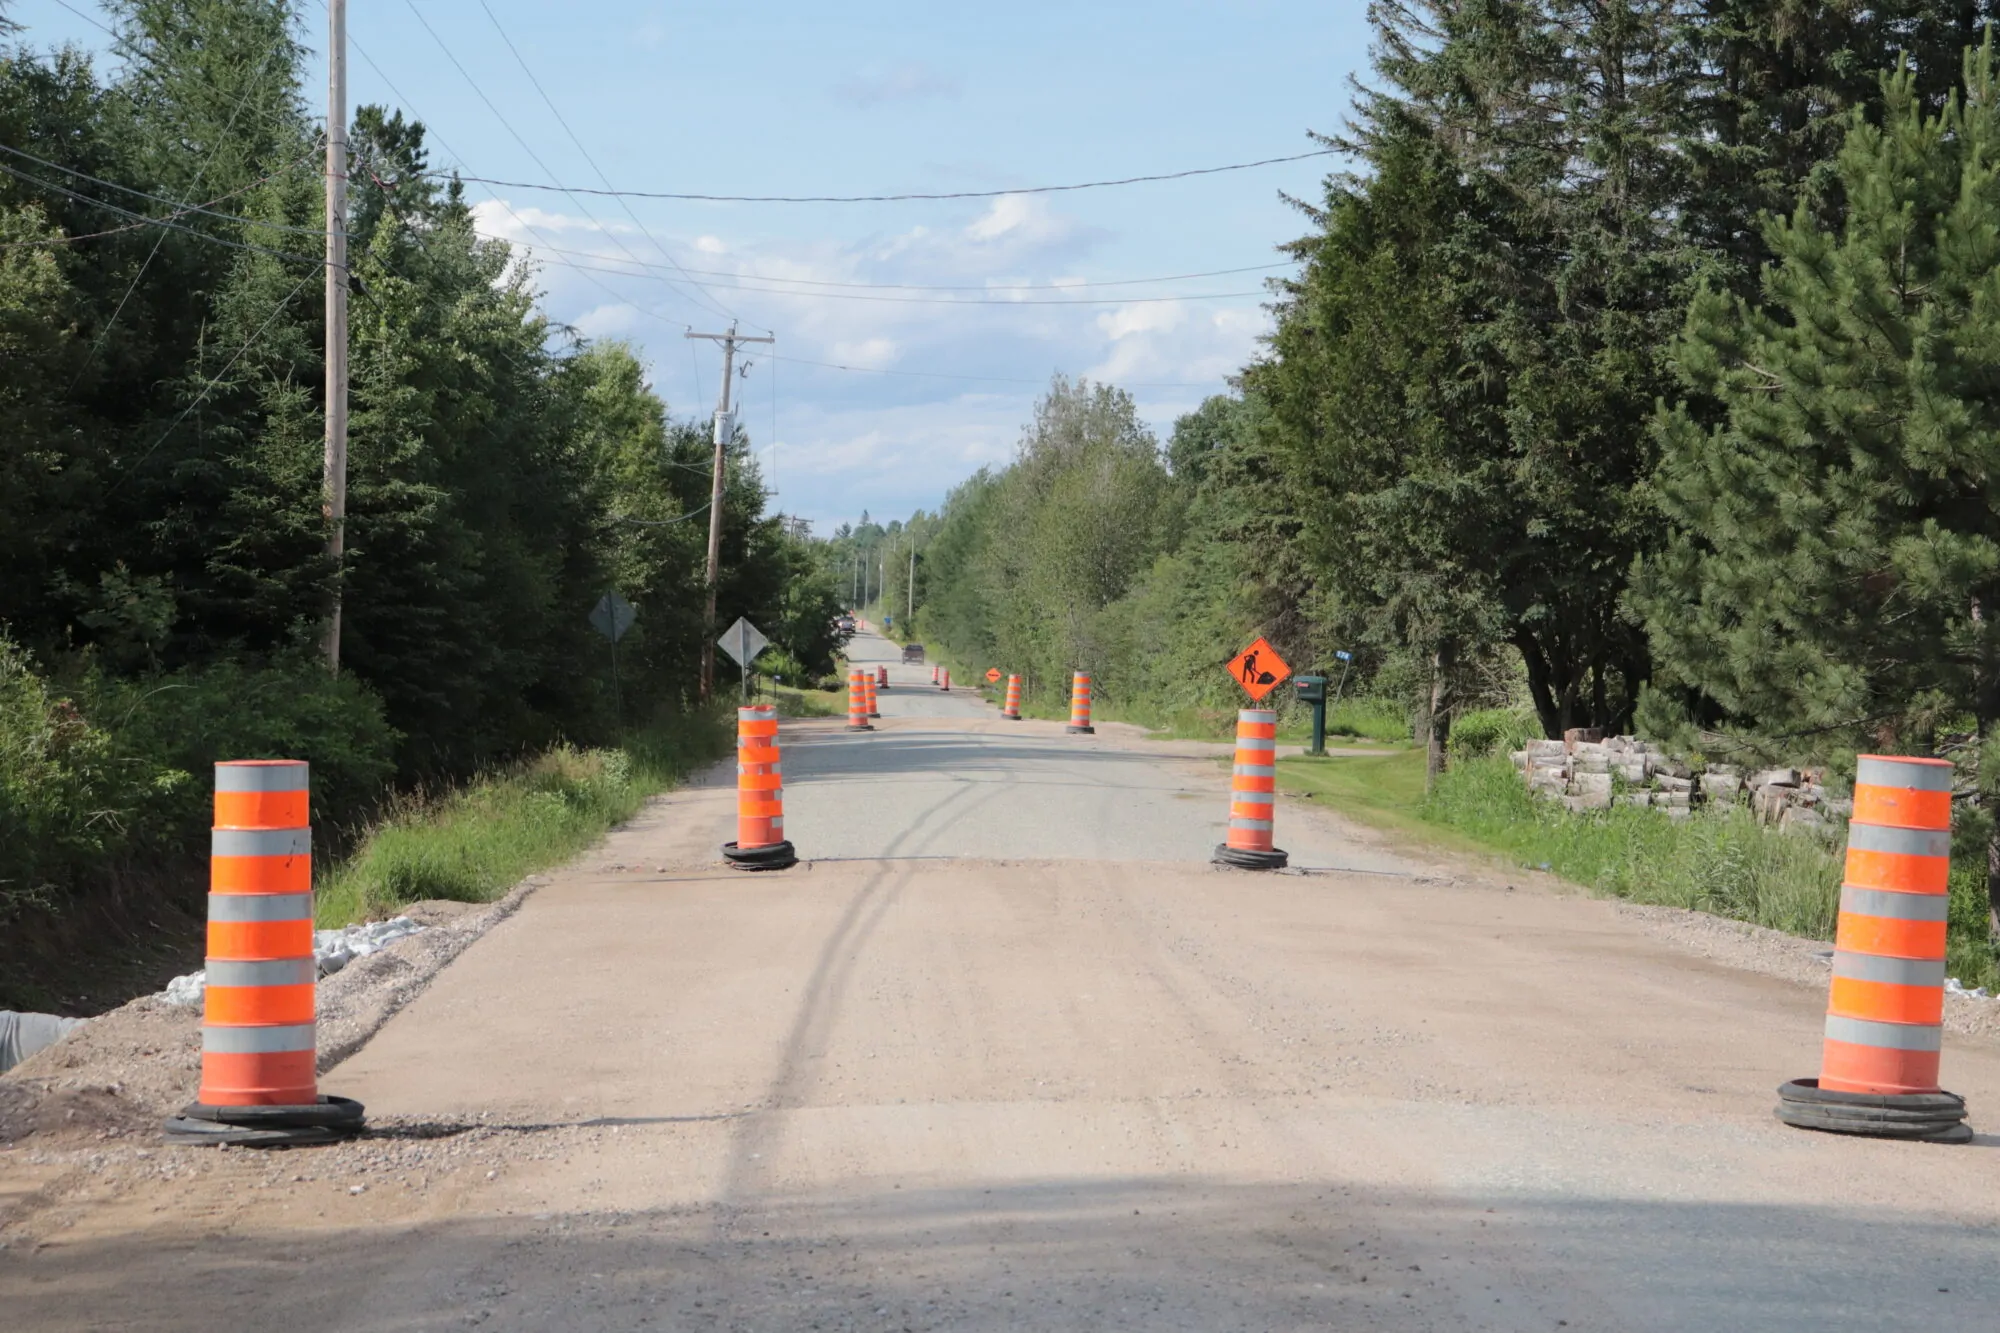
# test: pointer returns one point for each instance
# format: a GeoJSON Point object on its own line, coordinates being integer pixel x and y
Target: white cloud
{"type": "Point", "coordinates": [895, 441]}
{"type": "Point", "coordinates": [907, 82]}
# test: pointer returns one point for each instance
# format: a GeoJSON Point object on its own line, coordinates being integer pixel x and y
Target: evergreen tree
{"type": "Point", "coordinates": [1835, 571]}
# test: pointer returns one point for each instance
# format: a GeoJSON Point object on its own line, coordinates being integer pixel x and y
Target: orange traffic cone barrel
{"type": "Point", "coordinates": [881, 678]}
{"type": "Point", "coordinates": [1011, 710]}
{"type": "Point", "coordinates": [1885, 1011]}
{"type": "Point", "coordinates": [934, 672]}
{"type": "Point", "coordinates": [868, 687]}
{"type": "Point", "coordinates": [760, 794]}
{"type": "Point", "coordinates": [1079, 705]}
{"type": "Point", "coordinates": [259, 1038]}
{"type": "Point", "coordinates": [1253, 795]}
{"type": "Point", "coordinates": [857, 701]}
{"type": "Point", "coordinates": [946, 676]}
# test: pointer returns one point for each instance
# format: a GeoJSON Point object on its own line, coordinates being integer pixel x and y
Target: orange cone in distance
{"type": "Point", "coordinates": [881, 678]}
{"type": "Point", "coordinates": [1885, 1008]}
{"type": "Point", "coordinates": [868, 685]}
{"type": "Point", "coordinates": [760, 794]}
{"type": "Point", "coordinates": [1079, 705]}
{"type": "Point", "coordinates": [1253, 794]}
{"type": "Point", "coordinates": [946, 687]}
{"type": "Point", "coordinates": [1011, 709]}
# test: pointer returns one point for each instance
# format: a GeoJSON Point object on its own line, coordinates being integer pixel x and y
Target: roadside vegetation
{"type": "Point", "coordinates": [1636, 376]}
{"type": "Point", "coordinates": [475, 843]}
{"type": "Point", "coordinates": [164, 576]}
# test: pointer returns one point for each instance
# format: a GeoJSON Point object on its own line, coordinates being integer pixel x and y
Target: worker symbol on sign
{"type": "Point", "coordinates": [1259, 670]}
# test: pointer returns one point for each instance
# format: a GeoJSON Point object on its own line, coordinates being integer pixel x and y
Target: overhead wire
{"type": "Point", "coordinates": [982, 379]}
{"type": "Point", "coordinates": [179, 204]}
{"type": "Point", "coordinates": [255, 84]}
{"type": "Point", "coordinates": [507, 125]}
{"type": "Point", "coordinates": [573, 138]}
{"type": "Point", "coordinates": [925, 300]}
{"type": "Point", "coordinates": [899, 198]}
{"type": "Point", "coordinates": [157, 222]}
{"type": "Point", "coordinates": [204, 208]}
{"type": "Point", "coordinates": [209, 387]}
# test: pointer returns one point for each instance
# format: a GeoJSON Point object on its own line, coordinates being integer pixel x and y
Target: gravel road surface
{"type": "Point", "coordinates": [1008, 1055]}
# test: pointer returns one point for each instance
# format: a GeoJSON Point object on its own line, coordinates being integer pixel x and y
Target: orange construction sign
{"type": "Point", "coordinates": [1259, 670]}
{"type": "Point", "coordinates": [992, 674]}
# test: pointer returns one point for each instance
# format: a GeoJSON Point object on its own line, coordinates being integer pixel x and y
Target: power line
{"type": "Point", "coordinates": [86, 18]}
{"type": "Point", "coordinates": [525, 146]}
{"type": "Point", "coordinates": [183, 211]}
{"type": "Point", "coordinates": [209, 387]}
{"type": "Point", "coordinates": [897, 198]}
{"type": "Point", "coordinates": [939, 287]}
{"type": "Point", "coordinates": [158, 222]}
{"type": "Point", "coordinates": [981, 379]}
{"type": "Point", "coordinates": [923, 300]}
{"type": "Point", "coordinates": [179, 205]}
{"type": "Point", "coordinates": [242, 101]}
{"type": "Point", "coordinates": [562, 121]}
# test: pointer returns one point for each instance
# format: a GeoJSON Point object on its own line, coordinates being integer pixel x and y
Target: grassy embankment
{"type": "Point", "coordinates": [475, 843]}
{"type": "Point", "coordinates": [1721, 862]}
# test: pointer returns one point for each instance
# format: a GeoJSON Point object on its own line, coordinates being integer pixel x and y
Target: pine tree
{"type": "Point", "coordinates": [1835, 574]}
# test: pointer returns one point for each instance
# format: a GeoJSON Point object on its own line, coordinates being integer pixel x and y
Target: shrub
{"type": "Point", "coordinates": [65, 804]}
{"type": "Point", "coordinates": [178, 724]}
{"type": "Point", "coordinates": [1487, 731]}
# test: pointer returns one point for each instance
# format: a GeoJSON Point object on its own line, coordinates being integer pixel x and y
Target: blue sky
{"type": "Point", "coordinates": [871, 98]}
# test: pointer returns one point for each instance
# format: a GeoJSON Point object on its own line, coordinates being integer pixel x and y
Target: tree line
{"type": "Point", "coordinates": [1637, 368]}
{"type": "Point", "coordinates": [164, 576]}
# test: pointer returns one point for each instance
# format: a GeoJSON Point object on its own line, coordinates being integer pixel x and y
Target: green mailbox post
{"type": "Point", "coordinates": [1312, 690]}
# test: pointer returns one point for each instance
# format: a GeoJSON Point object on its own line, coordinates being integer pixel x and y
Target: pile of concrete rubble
{"type": "Point", "coordinates": [1587, 770]}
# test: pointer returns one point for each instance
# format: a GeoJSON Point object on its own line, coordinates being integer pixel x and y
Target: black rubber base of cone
{"type": "Point", "coordinates": [863, 727]}
{"type": "Point", "coordinates": [1933, 1117]}
{"type": "Point", "coordinates": [327, 1120]}
{"type": "Point", "coordinates": [778, 856]}
{"type": "Point", "coordinates": [1081, 731]}
{"type": "Point", "coordinates": [1275, 859]}
{"type": "Point", "coordinates": [180, 1129]}
{"type": "Point", "coordinates": [327, 1112]}
{"type": "Point", "coordinates": [1011, 717]}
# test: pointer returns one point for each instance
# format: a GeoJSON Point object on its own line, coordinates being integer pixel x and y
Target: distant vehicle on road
{"type": "Point", "coordinates": [845, 625]}
{"type": "Point", "coordinates": [913, 652]}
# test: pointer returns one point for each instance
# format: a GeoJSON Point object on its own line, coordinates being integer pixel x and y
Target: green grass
{"type": "Point", "coordinates": [477, 842]}
{"type": "Point", "coordinates": [1722, 862]}
{"type": "Point", "coordinates": [808, 703]}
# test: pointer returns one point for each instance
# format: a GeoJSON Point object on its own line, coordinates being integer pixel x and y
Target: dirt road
{"type": "Point", "coordinates": [1008, 1056]}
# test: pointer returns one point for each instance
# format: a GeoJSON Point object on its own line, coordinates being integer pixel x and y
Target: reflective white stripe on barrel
{"type": "Point", "coordinates": [273, 972]}
{"type": "Point", "coordinates": [271, 1039]}
{"type": "Point", "coordinates": [260, 842]}
{"type": "Point", "coordinates": [1889, 971]}
{"type": "Point", "coordinates": [259, 906]}
{"type": "Point", "coordinates": [1901, 841]}
{"type": "Point", "coordinates": [1896, 906]}
{"type": "Point", "coordinates": [262, 777]}
{"type": "Point", "coordinates": [1875, 771]}
{"type": "Point", "coordinates": [1894, 1036]}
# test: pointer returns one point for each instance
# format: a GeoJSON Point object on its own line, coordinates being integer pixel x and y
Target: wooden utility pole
{"type": "Point", "coordinates": [725, 428]}
{"type": "Point", "coordinates": [910, 610]}
{"type": "Point", "coordinates": [336, 312]}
